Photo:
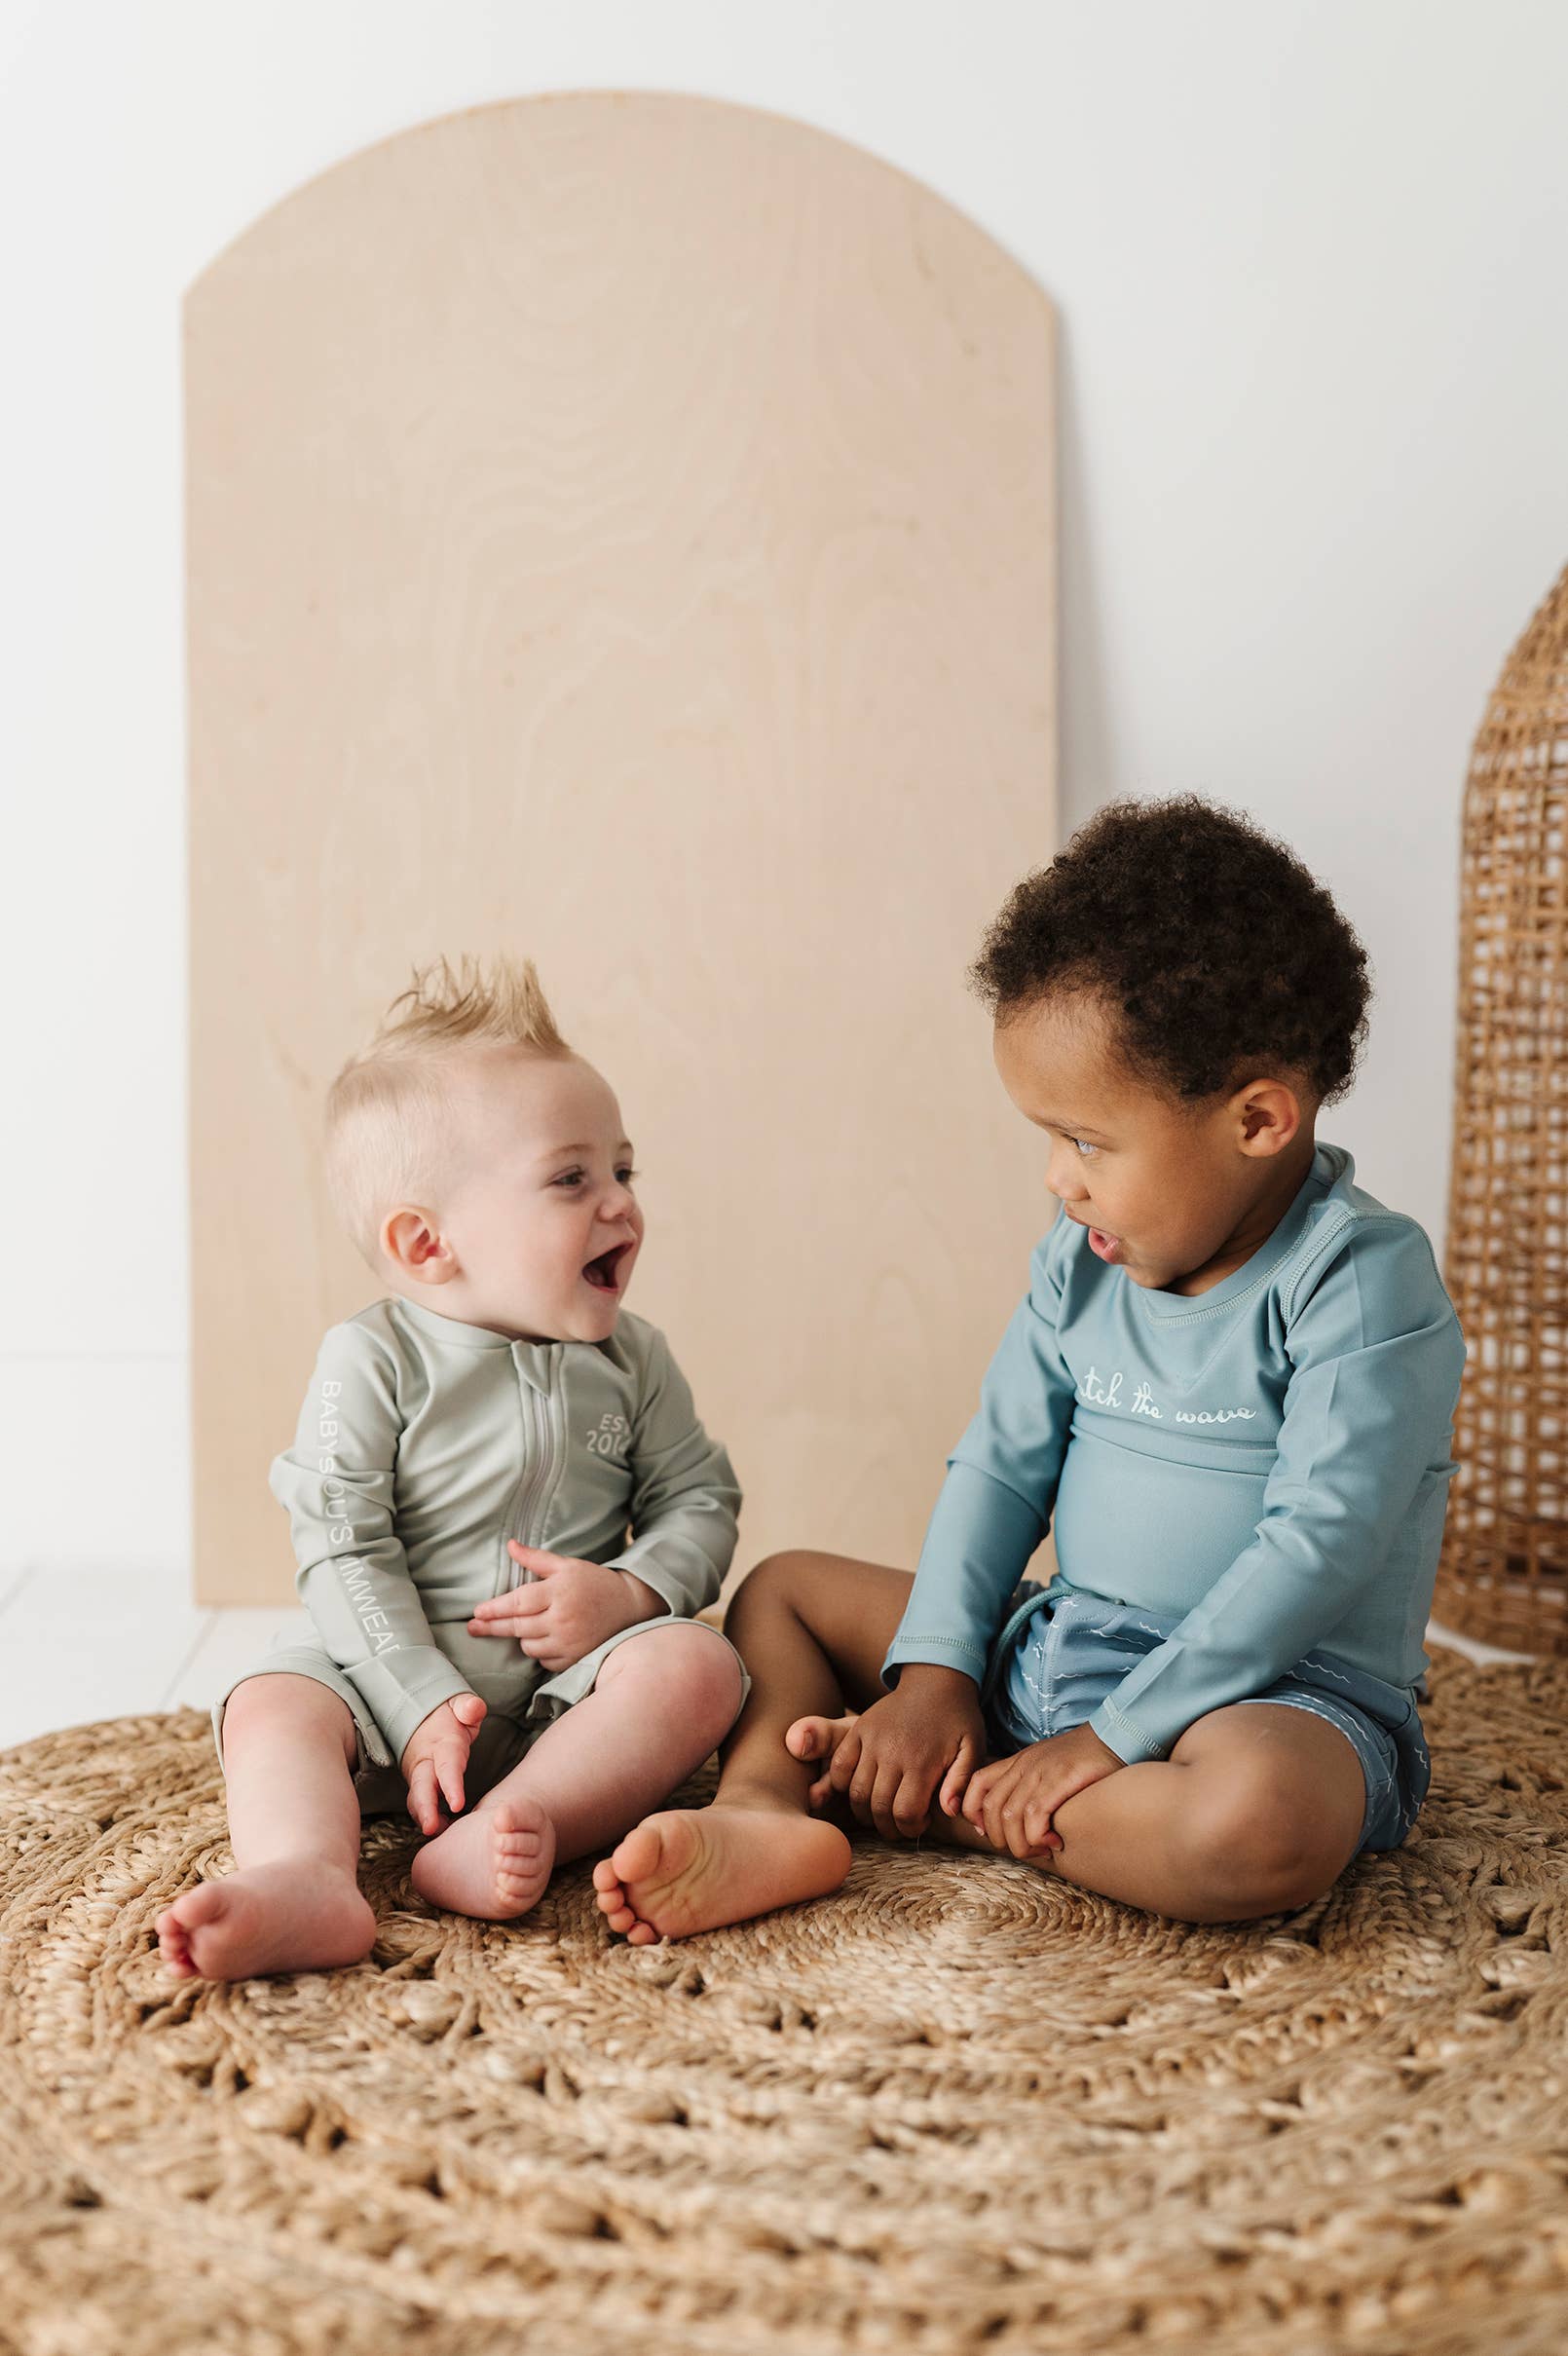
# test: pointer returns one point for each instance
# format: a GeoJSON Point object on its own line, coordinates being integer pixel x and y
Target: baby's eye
{"type": "Point", "coordinates": [1085, 1149]}
{"type": "Point", "coordinates": [571, 1177]}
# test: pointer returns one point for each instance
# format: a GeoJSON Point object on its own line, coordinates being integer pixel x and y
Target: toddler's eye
{"type": "Point", "coordinates": [627, 1174]}
{"type": "Point", "coordinates": [1085, 1149]}
{"type": "Point", "coordinates": [568, 1178]}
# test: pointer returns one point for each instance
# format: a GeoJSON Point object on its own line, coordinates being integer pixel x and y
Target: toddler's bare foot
{"type": "Point", "coordinates": [494, 1863]}
{"type": "Point", "coordinates": [301, 1914]}
{"type": "Point", "coordinates": [691, 1869]}
{"type": "Point", "coordinates": [818, 1739]}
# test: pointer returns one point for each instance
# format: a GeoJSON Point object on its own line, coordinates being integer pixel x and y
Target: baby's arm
{"type": "Point", "coordinates": [353, 1575]}
{"type": "Point", "coordinates": [435, 1758]}
{"type": "Point", "coordinates": [684, 1497]}
{"type": "Point", "coordinates": [566, 1607]}
{"type": "Point", "coordinates": [682, 1514]}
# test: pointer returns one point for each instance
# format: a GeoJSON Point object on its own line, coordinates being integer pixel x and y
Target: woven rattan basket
{"type": "Point", "coordinates": [1502, 1577]}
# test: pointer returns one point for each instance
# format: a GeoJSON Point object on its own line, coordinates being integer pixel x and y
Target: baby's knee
{"type": "Point", "coordinates": [282, 1699]}
{"type": "Point", "coordinates": [695, 1666]}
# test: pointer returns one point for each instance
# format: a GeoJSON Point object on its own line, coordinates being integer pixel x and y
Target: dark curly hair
{"type": "Point", "coordinates": [1213, 950]}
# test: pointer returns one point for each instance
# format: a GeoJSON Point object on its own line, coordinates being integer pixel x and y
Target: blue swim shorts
{"type": "Point", "coordinates": [1060, 1653]}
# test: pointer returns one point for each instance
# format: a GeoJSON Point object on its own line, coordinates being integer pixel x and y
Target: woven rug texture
{"type": "Point", "coordinates": [961, 2104]}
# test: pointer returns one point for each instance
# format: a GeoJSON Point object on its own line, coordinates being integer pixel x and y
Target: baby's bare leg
{"type": "Point", "coordinates": [293, 1901]}
{"type": "Point", "coordinates": [660, 1704]}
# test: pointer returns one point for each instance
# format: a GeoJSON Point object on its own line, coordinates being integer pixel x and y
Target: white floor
{"type": "Point", "coordinates": [78, 1646]}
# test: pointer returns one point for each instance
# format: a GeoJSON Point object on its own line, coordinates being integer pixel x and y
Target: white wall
{"type": "Point", "coordinates": [1311, 265]}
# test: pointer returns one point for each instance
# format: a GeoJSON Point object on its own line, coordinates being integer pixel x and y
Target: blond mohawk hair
{"type": "Point", "coordinates": [389, 1118]}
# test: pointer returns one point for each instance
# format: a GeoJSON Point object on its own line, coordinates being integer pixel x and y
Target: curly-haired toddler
{"type": "Point", "coordinates": [1228, 1391]}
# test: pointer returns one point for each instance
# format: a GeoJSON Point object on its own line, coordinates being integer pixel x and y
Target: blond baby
{"type": "Point", "coordinates": [491, 1651]}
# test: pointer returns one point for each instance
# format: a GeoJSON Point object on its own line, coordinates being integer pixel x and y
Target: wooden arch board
{"type": "Point", "coordinates": [622, 528]}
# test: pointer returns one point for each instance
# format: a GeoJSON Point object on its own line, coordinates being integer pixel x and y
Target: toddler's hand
{"type": "Point", "coordinates": [927, 1730]}
{"type": "Point", "coordinates": [567, 1608]}
{"type": "Point", "coordinates": [434, 1757]}
{"type": "Point", "coordinates": [1012, 1800]}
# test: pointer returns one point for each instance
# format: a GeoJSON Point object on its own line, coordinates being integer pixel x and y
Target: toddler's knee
{"type": "Point", "coordinates": [1251, 1858]}
{"type": "Point", "coordinates": [775, 1570]}
{"type": "Point", "coordinates": [783, 1579]}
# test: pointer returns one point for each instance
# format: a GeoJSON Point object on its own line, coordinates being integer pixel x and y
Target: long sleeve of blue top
{"type": "Point", "coordinates": [994, 1506]}
{"type": "Point", "coordinates": [1270, 1457]}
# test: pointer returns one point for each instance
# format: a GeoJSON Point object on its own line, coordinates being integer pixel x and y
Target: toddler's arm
{"type": "Point", "coordinates": [923, 1740]}
{"type": "Point", "coordinates": [353, 1576]}
{"type": "Point", "coordinates": [1377, 1355]}
{"type": "Point", "coordinates": [994, 1507]}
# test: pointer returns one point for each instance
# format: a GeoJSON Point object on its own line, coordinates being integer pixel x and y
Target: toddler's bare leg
{"type": "Point", "coordinates": [661, 1702]}
{"type": "Point", "coordinates": [1257, 1811]}
{"type": "Point", "coordinates": [293, 1901]}
{"type": "Point", "coordinates": [812, 1629]}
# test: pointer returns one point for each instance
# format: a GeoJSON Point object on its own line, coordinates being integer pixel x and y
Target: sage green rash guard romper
{"type": "Point", "coordinates": [424, 1444]}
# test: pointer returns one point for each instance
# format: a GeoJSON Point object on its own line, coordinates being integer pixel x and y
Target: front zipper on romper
{"type": "Point", "coordinates": [538, 1483]}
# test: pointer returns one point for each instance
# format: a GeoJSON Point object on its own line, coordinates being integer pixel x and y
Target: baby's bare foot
{"type": "Point", "coordinates": [299, 1915]}
{"type": "Point", "coordinates": [817, 1738]}
{"type": "Point", "coordinates": [692, 1869]}
{"type": "Point", "coordinates": [494, 1863]}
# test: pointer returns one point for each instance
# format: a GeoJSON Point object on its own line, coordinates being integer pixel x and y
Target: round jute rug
{"type": "Point", "coordinates": [961, 2104]}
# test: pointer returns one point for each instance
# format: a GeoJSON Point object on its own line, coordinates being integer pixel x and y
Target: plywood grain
{"type": "Point", "coordinates": [623, 529]}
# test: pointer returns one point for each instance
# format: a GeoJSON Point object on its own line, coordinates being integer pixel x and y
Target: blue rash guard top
{"type": "Point", "coordinates": [1269, 1458]}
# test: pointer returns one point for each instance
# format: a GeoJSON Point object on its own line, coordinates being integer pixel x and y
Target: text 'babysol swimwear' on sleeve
{"type": "Point", "coordinates": [337, 1482]}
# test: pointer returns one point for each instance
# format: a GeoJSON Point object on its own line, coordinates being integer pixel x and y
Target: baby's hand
{"type": "Point", "coordinates": [567, 1608]}
{"type": "Point", "coordinates": [1013, 1800]}
{"type": "Point", "coordinates": [434, 1757]}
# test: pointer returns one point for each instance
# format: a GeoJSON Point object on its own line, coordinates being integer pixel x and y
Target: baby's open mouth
{"type": "Point", "coordinates": [604, 1273]}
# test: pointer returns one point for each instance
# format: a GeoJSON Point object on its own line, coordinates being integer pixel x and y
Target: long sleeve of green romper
{"type": "Point", "coordinates": [339, 1484]}
{"type": "Point", "coordinates": [1269, 1457]}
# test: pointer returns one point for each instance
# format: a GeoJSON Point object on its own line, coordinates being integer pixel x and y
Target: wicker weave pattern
{"type": "Point", "coordinates": [1502, 1577]}
{"type": "Point", "coordinates": [958, 2106]}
